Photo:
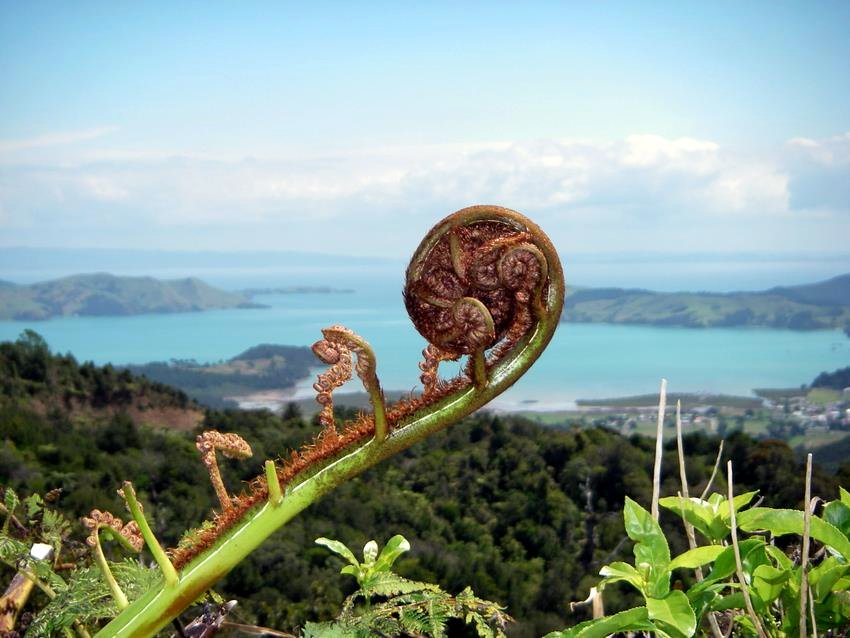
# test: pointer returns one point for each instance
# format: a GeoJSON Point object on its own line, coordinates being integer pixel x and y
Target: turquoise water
{"type": "Point", "coordinates": [583, 361]}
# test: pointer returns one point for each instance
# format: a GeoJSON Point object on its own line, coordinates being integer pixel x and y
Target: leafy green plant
{"type": "Point", "coordinates": [754, 586]}
{"type": "Point", "coordinates": [386, 604]}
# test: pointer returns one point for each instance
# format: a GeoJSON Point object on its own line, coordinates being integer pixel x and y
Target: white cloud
{"type": "Point", "coordinates": [612, 194]}
{"type": "Point", "coordinates": [55, 139]}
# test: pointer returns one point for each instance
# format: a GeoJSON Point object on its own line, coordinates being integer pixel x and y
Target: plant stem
{"type": "Point", "coordinates": [733, 523]}
{"type": "Point", "coordinates": [117, 594]}
{"type": "Point", "coordinates": [479, 369]}
{"type": "Point", "coordinates": [713, 472]}
{"type": "Point", "coordinates": [159, 555]}
{"type": "Point", "coordinates": [804, 561]}
{"type": "Point", "coordinates": [659, 448]}
{"type": "Point", "coordinates": [155, 609]}
{"type": "Point", "coordinates": [275, 495]}
{"type": "Point", "coordinates": [689, 529]}
{"type": "Point", "coordinates": [146, 615]}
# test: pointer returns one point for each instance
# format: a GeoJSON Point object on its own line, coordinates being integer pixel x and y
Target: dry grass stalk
{"type": "Point", "coordinates": [659, 448]}
{"type": "Point", "coordinates": [804, 561]}
{"type": "Point", "coordinates": [713, 472]}
{"type": "Point", "coordinates": [733, 523]}
{"type": "Point", "coordinates": [689, 529]}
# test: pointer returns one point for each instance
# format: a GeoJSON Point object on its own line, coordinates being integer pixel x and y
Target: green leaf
{"type": "Point", "coordinates": [33, 504]}
{"type": "Point", "coordinates": [737, 502]}
{"type": "Point", "coordinates": [783, 521]}
{"type": "Point", "coordinates": [838, 514]}
{"type": "Point", "coordinates": [620, 571]}
{"type": "Point", "coordinates": [370, 552]}
{"type": "Point", "coordinates": [753, 558]}
{"type": "Point", "coordinates": [732, 601]}
{"type": "Point", "coordinates": [11, 499]}
{"type": "Point", "coordinates": [701, 514]}
{"type": "Point", "coordinates": [768, 581]}
{"type": "Point", "coordinates": [673, 613]}
{"type": "Point", "coordinates": [391, 584]}
{"type": "Point", "coordinates": [636, 619]}
{"type": "Point", "coordinates": [825, 576]}
{"type": "Point", "coordinates": [339, 548]}
{"type": "Point", "coordinates": [697, 557]}
{"type": "Point", "coordinates": [650, 548]}
{"type": "Point", "coordinates": [724, 566]}
{"type": "Point", "coordinates": [394, 548]}
{"type": "Point", "coordinates": [779, 556]}
{"type": "Point", "coordinates": [845, 496]}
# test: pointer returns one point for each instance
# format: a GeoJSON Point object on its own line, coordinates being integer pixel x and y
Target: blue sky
{"type": "Point", "coordinates": [679, 127]}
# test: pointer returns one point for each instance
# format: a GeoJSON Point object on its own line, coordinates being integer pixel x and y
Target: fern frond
{"type": "Point", "coordinates": [388, 584]}
{"type": "Point", "coordinates": [86, 597]}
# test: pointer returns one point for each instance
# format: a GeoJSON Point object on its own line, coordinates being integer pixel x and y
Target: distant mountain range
{"type": "Point", "coordinates": [103, 294]}
{"type": "Point", "coordinates": [818, 306]}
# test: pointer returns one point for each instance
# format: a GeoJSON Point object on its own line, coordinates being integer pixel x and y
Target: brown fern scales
{"type": "Point", "coordinates": [477, 281]}
{"type": "Point", "coordinates": [470, 280]}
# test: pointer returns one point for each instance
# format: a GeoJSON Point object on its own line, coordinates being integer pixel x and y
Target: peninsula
{"type": "Point", "coordinates": [820, 306]}
{"type": "Point", "coordinates": [103, 294]}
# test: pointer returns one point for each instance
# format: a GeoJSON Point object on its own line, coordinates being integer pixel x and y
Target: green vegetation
{"type": "Point", "coordinates": [523, 514]}
{"type": "Point", "coordinates": [103, 294]}
{"type": "Point", "coordinates": [263, 367]}
{"type": "Point", "coordinates": [820, 306]}
{"type": "Point", "coordinates": [33, 378]}
{"type": "Point", "coordinates": [752, 588]}
{"type": "Point", "coordinates": [837, 380]}
{"type": "Point", "coordinates": [395, 606]}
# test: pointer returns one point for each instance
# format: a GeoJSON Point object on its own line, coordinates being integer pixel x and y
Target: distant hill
{"type": "Point", "coordinates": [54, 385]}
{"type": "Point", "coordinates": [818, 306]}
{"type": "Point", "coordinates": [104, 294]}
{"type": "Point", "coordinates": [837, 380]}
{"type": "Point", "coordinates": [263, 367]}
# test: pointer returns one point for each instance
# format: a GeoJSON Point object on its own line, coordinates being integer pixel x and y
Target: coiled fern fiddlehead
{"type": "Point", "coordinates": [485, 283]}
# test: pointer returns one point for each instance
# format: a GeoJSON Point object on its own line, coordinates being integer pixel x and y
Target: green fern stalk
{"type": "Point", "coordinates": [515, 347]}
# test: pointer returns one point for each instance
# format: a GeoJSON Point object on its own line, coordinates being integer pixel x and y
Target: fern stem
{"type": "Point", "coordinates": [275, 495]}
{"type": "Point", "coordinates": [155, 609]}
{"type": "Point", "coordinates": [159, 555]}
{"type": "Point", "coordinates": [117, 594]}
{"type": "Point", "coordinates": [479, 368]}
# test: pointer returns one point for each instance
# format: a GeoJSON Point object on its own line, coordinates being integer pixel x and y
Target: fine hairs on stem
{"type": "Point", "coordinates": [733, 523]}
{"type": "Point", "coordinates": [804, 560]}
{"type": "Point", "coordinates": [659, 449]}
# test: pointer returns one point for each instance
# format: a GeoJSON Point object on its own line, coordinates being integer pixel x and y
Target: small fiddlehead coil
{"type": "Point", "coordinates": [335, 349]}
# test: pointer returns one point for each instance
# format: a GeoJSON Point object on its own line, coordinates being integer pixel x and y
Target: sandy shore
{"type": "Point", "coordinates": [305, 396]}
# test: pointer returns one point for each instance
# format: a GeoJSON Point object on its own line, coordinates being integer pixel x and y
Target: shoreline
{"type": "Point", "coordinates": [304, 396]}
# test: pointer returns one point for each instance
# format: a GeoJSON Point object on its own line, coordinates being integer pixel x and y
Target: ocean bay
{"type": "Point", "coordinates": [583, 361]}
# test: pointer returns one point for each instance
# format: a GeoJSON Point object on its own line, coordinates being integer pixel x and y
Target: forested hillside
{"type": "Point", "coordinates": [262, 367]}
{"type": "Point", "coordinates": [524, 514]}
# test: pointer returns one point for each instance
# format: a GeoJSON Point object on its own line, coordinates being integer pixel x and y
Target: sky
{"type": "Point", "coordinates": [668, 128]}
